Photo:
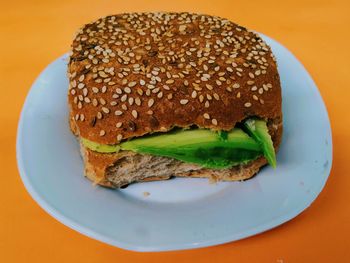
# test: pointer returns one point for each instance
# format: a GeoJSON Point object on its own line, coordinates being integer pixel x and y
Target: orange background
{"type": "Point", "coordinates": [33, 33]}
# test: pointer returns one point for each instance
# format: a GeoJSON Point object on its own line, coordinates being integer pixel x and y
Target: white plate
{"type": "Point", "coordinates": [179, 213]}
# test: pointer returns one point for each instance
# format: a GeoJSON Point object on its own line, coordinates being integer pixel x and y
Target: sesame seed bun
{"type": "Point", "coordinates": [138, 73]}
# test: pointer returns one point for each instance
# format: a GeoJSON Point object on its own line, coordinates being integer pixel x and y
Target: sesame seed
{"type": "Point", "coordinates": [214, 122]}
{"type": "Point", "coordinates": [169, 81]}
{"type": "Point", "coordinates": [251, 75]}
{"type": "Point", "coordinates": [105, 110]}
{"type": "Point", "coordinates": [81, 85]}
{"type": "Point", "coordinates": [238, 95]}
{"type": "Point", "coordinates": [72, 91]}
{"type": "Point", "coordinates": [131, 84]}
{"type": "Point", "coordinates": [142, 82]}
{"type": "Point", "coordinates": [102, 133]}
{"type": "Point", "coordinates": [201, 98]}
{"type": "Point", "coordinates": [261, 91]}
{"type": "Point", "coordinates": [124, 107]}
{"type": "Point", "coordinates": [255, 97]}
{"type": "Point", "coordinates": [150, 103]}
{"type": "Point", "coordinates": [155, 90]}
{"type": "Point", "coordinates": [119, 137]}
{"type": "Point", "coordinates": [206, 116]}
{"type": "Point", "coordinates": [182, 27]}
{"type": "Point", "coordinates": [102, 101]}
{"type": "Point", "coordinates": [85, 92]}
{"type": "Point", "coordinates": [235, 86]}
{"type": "Point", "coordinates": [183, 101]}
{"type": "Point", "coordinates": [221, 74]}
{"type": "Point", "coordinates": [206, 104]}
{"type": "Point", "coordinates": [134, 113]}
{"type": "Point", "coordinates": [94, 102]}
{"type": "Point", "coordinates": [216, 96]}
{"type": "Point", "coordinates": [104, 89]}
{"type": "Point", "coordinates": [118, 112]}
{"type": "Point", "coordinates": [99, 115]}
{"type": "Point", "coordinates": [208, 86]}
{"type": "Point", "coordinates": [102, 74]}
{"type": "Point", "coordinates": [131, 101]}
{"type": "Point", "coordinates": [254, 88]}
{"type": "Point", "coordinates": [247, 104]}
{"type": "Point", "coordinates": [119, 124]}
{"type": "Point", "coordinates": [138, 101]}
{"type": "Point", "coordinates": [81, 78]}
{"type": "Point", "coordinates": [140, 91]}
{"type": "Point", "coordinates": [194, 94]}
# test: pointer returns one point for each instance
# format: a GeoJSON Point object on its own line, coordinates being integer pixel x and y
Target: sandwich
{"type": "Point", "coordinates": [160, 95]}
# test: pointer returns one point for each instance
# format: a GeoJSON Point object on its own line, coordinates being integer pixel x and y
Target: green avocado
{"type": "Point", "coordinates": [204, 147]}
{"type": "Point", "coordinates": [101, 148]}
{"type": "Point", "coordinates": [259, 131]}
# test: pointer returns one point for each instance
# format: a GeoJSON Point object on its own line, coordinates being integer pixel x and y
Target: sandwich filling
{"type": "Point", "coordinates": [204, 147]}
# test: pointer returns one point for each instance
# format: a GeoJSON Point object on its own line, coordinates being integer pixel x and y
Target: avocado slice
{"type": "Point", "coordinates": [204, 147]}
{"type": "Point", "coordinates": [259, 131]}
{"type": "Point", "coordinates": [101, 148]}
{"type": "Point", "coordinates": [201, 146]}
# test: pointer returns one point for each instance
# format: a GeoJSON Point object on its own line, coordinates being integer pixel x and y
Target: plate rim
{"type": "Point", "coordinates": [59, 216]}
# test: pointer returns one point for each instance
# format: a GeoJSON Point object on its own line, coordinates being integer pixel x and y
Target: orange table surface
{"type": "Point", "coordinates": [33, 33]}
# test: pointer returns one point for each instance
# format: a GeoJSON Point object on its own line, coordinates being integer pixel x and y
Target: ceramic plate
{"type": "Point", "coordinates": [179, 213]}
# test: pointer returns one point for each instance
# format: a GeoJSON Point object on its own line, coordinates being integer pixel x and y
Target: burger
{"type": "Point", "coordinates": [158, 95]}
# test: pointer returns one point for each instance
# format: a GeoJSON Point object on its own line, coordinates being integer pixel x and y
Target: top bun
{"type": "Point", "coordinates": [138, 73]}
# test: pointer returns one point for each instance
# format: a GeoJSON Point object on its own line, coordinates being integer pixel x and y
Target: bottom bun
{"type": "Point", "coordinates": [120, 169]}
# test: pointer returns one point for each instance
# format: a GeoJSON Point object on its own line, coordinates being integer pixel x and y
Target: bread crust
{"type": "Point", "coordinates": [139, 73]}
